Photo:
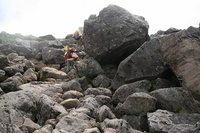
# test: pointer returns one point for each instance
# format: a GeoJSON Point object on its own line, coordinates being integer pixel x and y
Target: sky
{"type": "Point", "coordinates": [62, 17]}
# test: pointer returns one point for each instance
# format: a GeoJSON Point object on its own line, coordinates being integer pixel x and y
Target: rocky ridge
{"type": "Point", "coordinates": [125, 82]}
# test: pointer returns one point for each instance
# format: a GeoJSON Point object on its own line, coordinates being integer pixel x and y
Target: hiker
{"type": "Point", "coordinates": [78, 37]}
{"type": "Point", "coordinates": [70, 56]}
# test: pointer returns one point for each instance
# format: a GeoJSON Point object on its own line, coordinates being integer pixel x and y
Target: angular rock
{"type": "Point", "coordinates": [29, 64]}
{"type": "Point", "coordinates": [163, 121]}
{"type": "Point", "coordinates": [145, 63]}
{"type": "Point", "coordinates": [88, 67]}
{"type": "Point", "coordinates": [30, 75]}
{"type": "Point", "coordinates": [181, 51]}
{"type": "Point", "coordinates": [139, 103]}
{"type": "Point", "coordinates": [101, 81]}
{"type": "Point", "coordinates": [125, 90]}
{"type": "Point", "coordinates": [103, 100]}
{"type": "Point", "coordinates": [105, 112]}
{"type": "Point", "coordinates": [114, 34]}
{"type": "Point", "coordinates": [13, 83]}
{"type": "Point", "coordinates": [91, 104]}
{"type": "Point", "coordinates": [52, 55]}
{"type": "Point", "coordinates": [21, 48]}
{"type": "Point", "coordinates": [175, 99]}
{"type": "Point", "coordinates": [11, 70]}
{"type": "Point", "coordinates": [137, 122]}
{"type": "Point", "coordinates": [30, 125]}
{"type": "Point", "coordinates": [71, 85]}
{"type": "Point", "coordinates": [4, 61]}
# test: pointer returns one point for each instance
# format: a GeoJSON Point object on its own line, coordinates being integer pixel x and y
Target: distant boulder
{"type": "Point", "coordinates": [48, 37]}
{"type": "Point", "coordinates": [114, 34]}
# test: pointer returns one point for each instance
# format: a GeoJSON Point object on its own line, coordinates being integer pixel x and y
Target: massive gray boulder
{"type": "Point", "coordinates": [145, 63]}
{"type": "Point", "coordinates": [181, 51]}
{"type": "Point", "coordinates": [114, 34]}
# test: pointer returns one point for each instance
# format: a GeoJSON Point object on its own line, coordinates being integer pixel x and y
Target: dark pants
{"type": "Point", "coordinates": [69, 64]}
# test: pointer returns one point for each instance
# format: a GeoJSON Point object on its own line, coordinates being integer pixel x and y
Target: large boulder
{"type": "Point", "coordinates": [145, 63]}
{"type": "Point", "coordinates": [114, 34]}
{"type": "Point", "coordinates": [181, 51]}
{"type": "Point", "coordinates": [52, 55]}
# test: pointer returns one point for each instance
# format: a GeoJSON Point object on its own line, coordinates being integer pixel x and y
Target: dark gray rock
{"type": "Point", "coordinates": [137, 122]}
{"type": "Point", "coordinates": [88, 67]}
{"type": "Point", "coordinates": [13, 83]}
{"type": "Point", "coordinates": [12, 70]}
{"type": "Point", "coordinates": [175, 99]}
{"type": "Point", "coordinates": [139, 104]}
{"type": "Point", "coordinates": [105, 112]}
{"type": "Point", "coordinates": [4, 61]}
{"type": "Point", "coordinates": [114, 34]}
{"type": "Point", "coordinates": [145, 63]}
{"type": "Point", "coordinates": [125, 90]}
{"type": "Point", "coordinates": [101, 81]}
{"type": "Point", "coordinates": [52, 55]}
{"type": "Point", "coordinates": [71, 85]}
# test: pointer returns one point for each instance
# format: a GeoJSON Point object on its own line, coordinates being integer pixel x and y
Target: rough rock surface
{"type": "Point", "coordinates": [181, 52]}
{"type": "Point", "coordinates": [114, 34]}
